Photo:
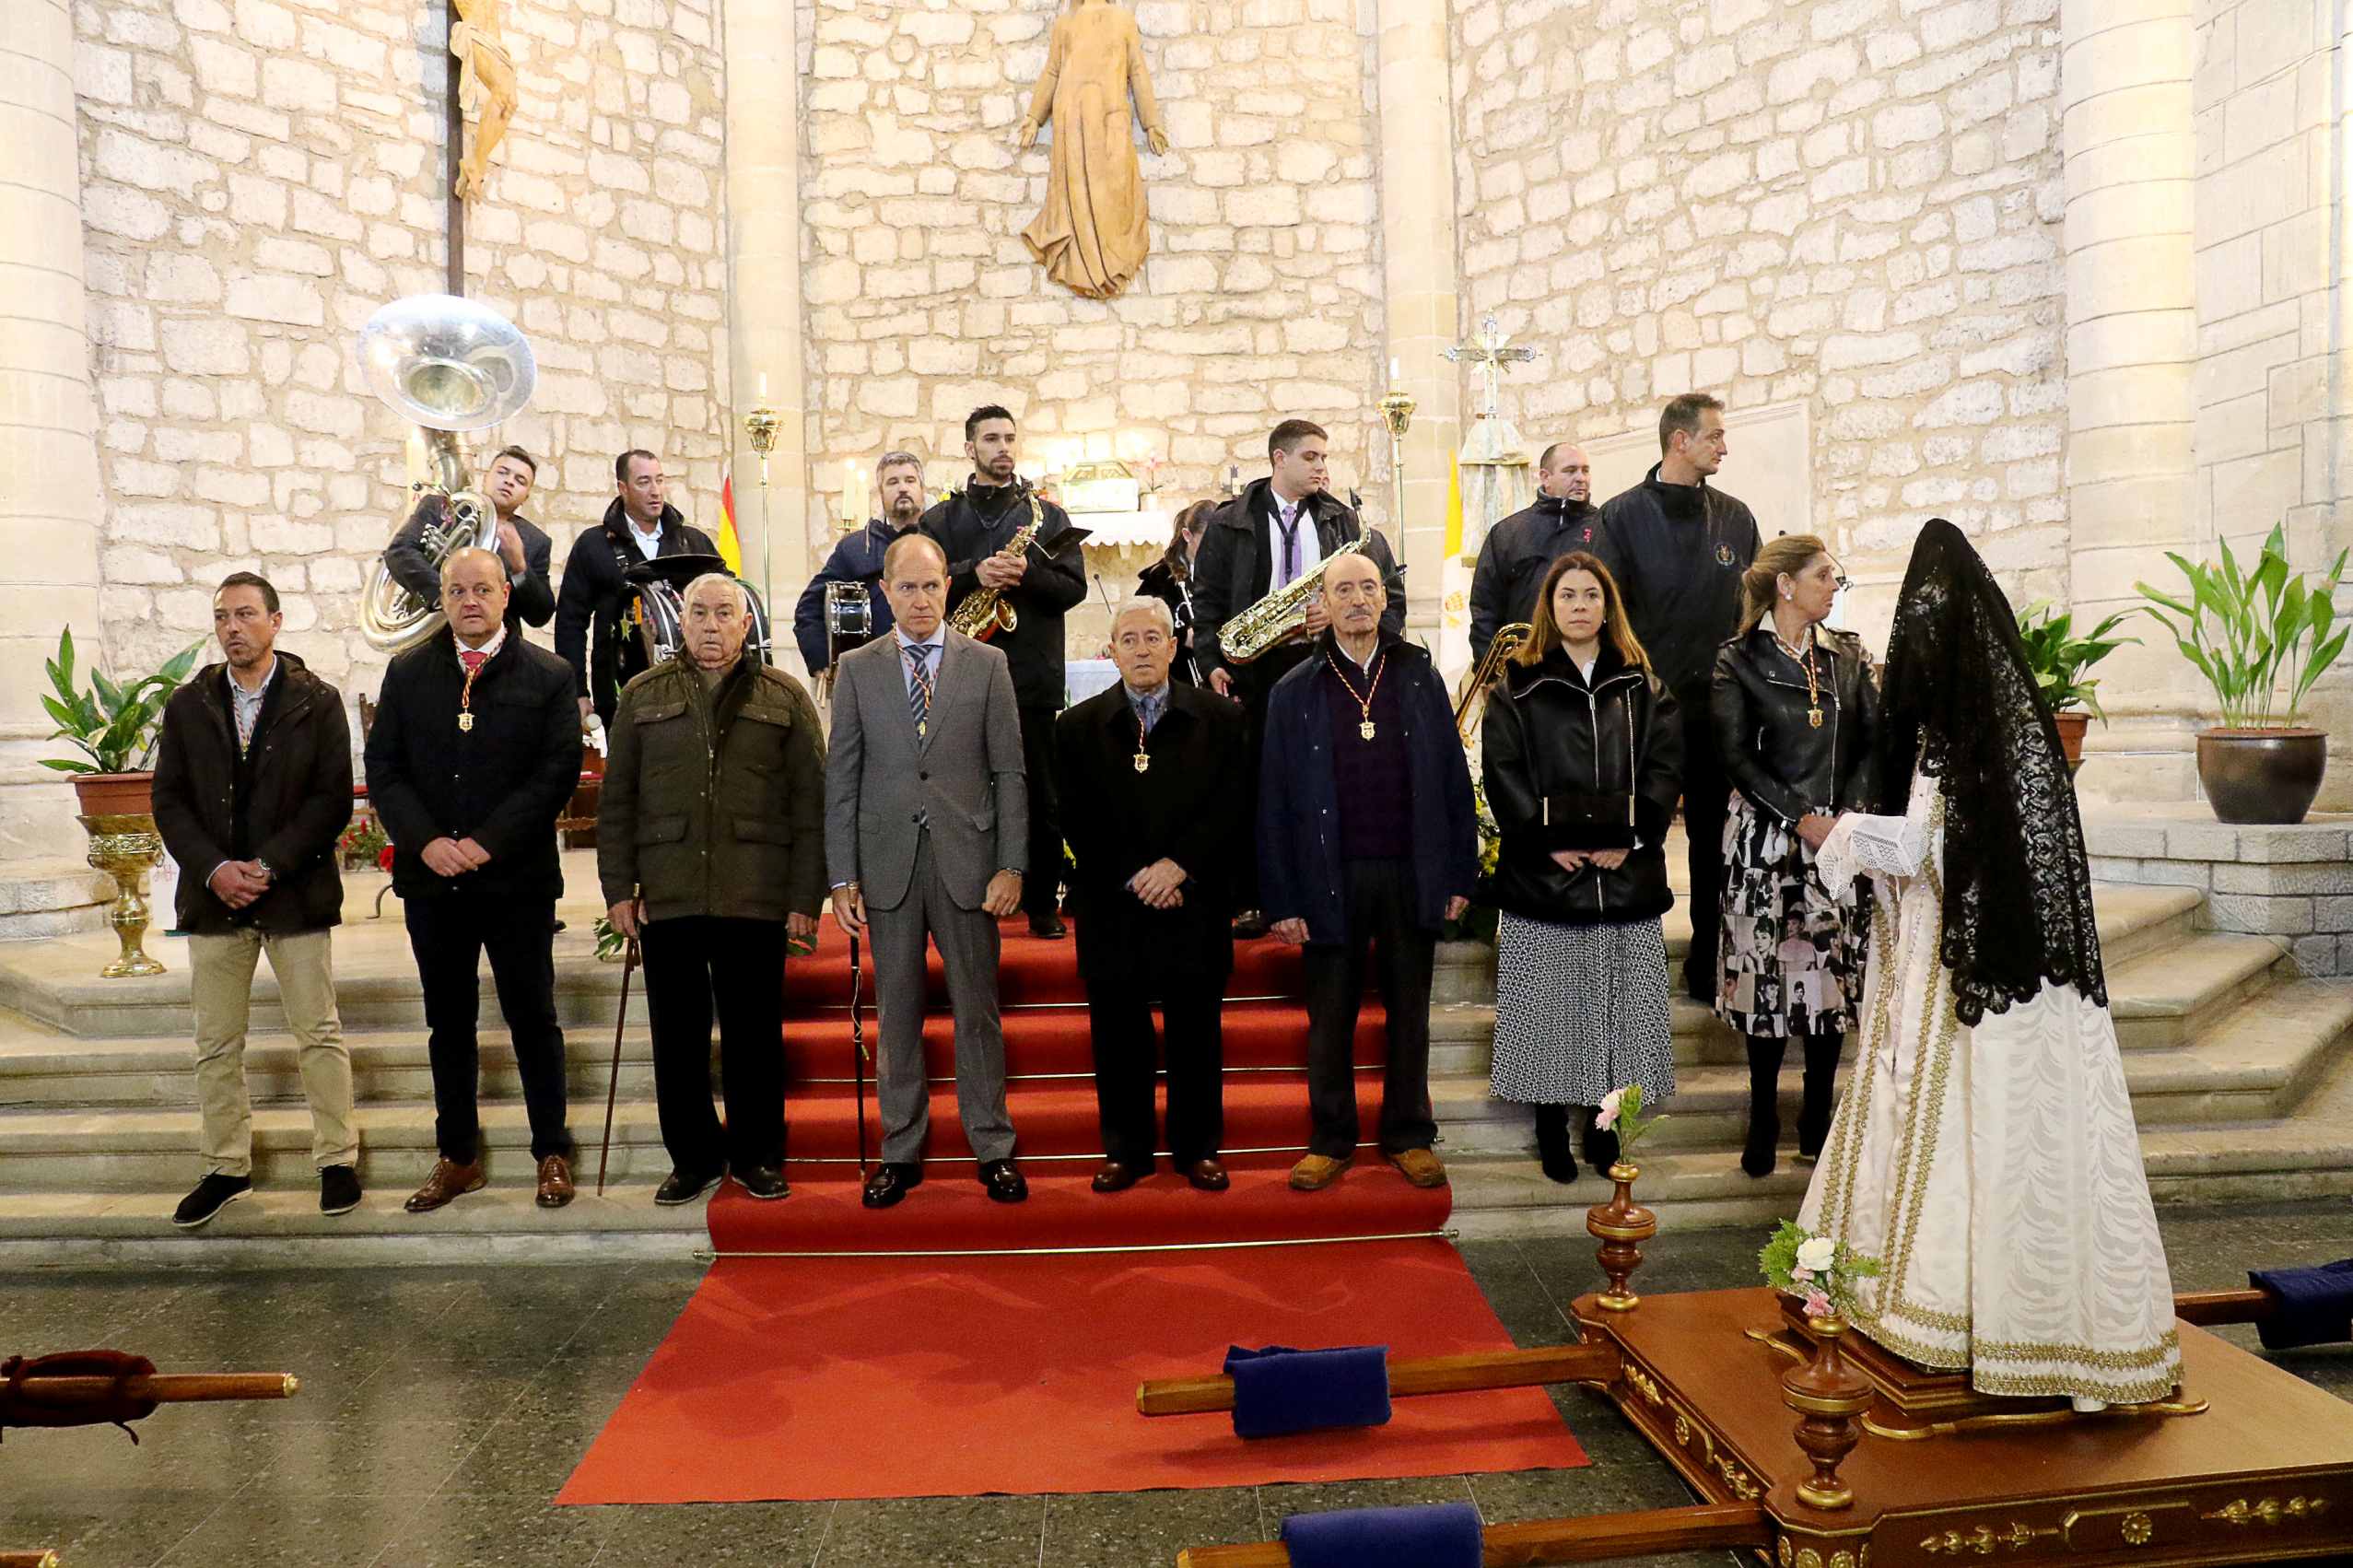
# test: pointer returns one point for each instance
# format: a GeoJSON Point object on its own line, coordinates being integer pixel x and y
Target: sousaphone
{"type": "Point", "coordinates": [452, 365]}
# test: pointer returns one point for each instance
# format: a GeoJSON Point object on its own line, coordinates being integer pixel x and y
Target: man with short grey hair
{"type": "Point", "coordinates": [898, 481]}
{"type": "Point", "coordinates": [1158, 851]}
{"type": "Point", "coordinates": [710, 848]}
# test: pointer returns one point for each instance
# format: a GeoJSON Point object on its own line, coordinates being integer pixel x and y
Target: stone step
{"type": "Point", "coordinates": [2174, 997]}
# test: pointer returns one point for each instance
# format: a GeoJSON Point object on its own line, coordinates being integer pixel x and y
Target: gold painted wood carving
{"type": "Point", "coordinates": [489, 85]}
{"type": "Point", "coordinates": [2270, 1511]}
{"type": "Point", "coordinates": [1092, 235]}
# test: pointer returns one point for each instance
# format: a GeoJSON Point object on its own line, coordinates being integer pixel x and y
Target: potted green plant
{"type": "Point", "coordinates": [2251, 634]}
{"type": "Point", "coordinates": [114, 724]}
{"type": "Point", "coordinates": [2059, 660]}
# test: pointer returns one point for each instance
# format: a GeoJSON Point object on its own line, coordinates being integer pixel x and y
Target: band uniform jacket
{"type": "Point", "coordinates": [857, 558]}
{"type": "Point", "coordinates": [596, 594]}
{"type": "Point", "coordinates": [714, 797]}
{"type": "Point", "coordinates": [285, 802]}
{"type": "Point", "coordinates": [503, 783]}
{"type": "Point", "coordinates": [1235, 567]}
{"type": "Point", "coordinates": [1784, 764]}
{"type": "Point", "coordinates": [962, 781]}
{"type": "Point", "coordinates": [1572, 763]}
{"type": "Point", "coordinates": [967, 532]}
{"type": "Point", "coordinates": [1677, 552]}
{"type": "Point", "coordinates": [1182, 807]}
{"type": "Point", "coordinates": [1515, 556]}
{"type": "Point", "coordinates": [530, 601]}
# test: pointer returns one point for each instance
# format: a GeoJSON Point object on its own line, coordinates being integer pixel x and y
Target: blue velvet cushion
{"type": "Point", "coordinates": [1444, 1535]}
{"type": "Point", "coordinates": [2315, 1305]}
{"type": "Point", "coordinates": [1278, 1390]}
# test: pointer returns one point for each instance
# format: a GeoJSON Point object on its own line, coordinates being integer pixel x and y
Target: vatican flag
{"type": "Point", "coordinates": [1454, 580]}
{"type": "Point", "coordinates": [730, 550]}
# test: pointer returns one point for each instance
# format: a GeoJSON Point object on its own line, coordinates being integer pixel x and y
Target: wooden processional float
{"type": "Point", "coordinates": [1887, 1465]}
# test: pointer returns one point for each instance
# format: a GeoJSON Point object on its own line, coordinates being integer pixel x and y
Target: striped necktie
{"type": "Point", "coordinates": [918, 688]}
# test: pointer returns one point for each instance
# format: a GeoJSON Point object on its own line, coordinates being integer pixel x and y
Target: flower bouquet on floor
{"type": "Point", "coordinates": [363, 844]}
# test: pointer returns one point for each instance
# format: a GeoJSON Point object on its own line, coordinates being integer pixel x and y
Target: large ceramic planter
{"type": "Point", "coordinates": [2072, 723]}
{"type": "Point", "coordinates": [117, 815]}
{"type": "Point", "coordinates": [2262, 776]}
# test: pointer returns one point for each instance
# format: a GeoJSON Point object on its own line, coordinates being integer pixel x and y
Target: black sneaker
{"type": "Point", "coordinates": [338, 1190]}
{"type": "Point", "coordinates": [678, 1187]}
{"type": "Point", "coordinates": [213, 1194]}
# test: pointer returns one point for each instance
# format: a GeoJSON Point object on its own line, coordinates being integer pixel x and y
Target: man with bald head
{"type": "Point", "coordinates": [1367, 839]}
{"type": "Point", "coordinates": [711, 847]}
{"type": "Point", "coordinates": [1522, 547]}
{"type": "Point", "coordinates": [474, 753]}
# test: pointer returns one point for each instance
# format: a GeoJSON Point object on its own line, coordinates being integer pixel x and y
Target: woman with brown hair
{"type": "Point", "coordinates": [1583, 763]}
{"type": "Point", "coordinates": [1170, 581]}
{"type": "Point", "coordinates": [1795, 716]}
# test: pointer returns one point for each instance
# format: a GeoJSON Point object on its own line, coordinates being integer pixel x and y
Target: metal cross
{"type": "Point", "coordinates": [1490, 353]}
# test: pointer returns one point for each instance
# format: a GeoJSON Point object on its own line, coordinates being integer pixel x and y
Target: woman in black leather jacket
{"type": "Point", "coordinates": [1582, 753]}
{"type": "Point", "coordinates": [1795, 713]}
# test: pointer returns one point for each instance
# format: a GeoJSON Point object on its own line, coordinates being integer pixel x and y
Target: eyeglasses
{"type": "Point", "coordinates": [1840, 579]}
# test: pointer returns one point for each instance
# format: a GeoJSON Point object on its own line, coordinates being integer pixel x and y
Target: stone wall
{"type": "Point", "coordinates": [1261, 298]}
{"type": "Point", "coordinates": [1851, 201]}
{"type": "Point", "coordinates": [259, 175]}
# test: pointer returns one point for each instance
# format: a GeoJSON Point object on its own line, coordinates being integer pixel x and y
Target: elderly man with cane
{"type": "Point", "coordinates": [711, 847]}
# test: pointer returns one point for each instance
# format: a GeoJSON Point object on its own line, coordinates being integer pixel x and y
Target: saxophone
{"type": "Point", "coordinates": [1468, 707]}
{"type": "Point", "coordinates": [1281, 615]}
{"type": "Point", "coordinates": [984, 612]}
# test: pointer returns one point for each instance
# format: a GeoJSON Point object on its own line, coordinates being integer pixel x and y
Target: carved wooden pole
{"type": "Point", "coordinates": [1829, 1398]}
{"type": "Point", "coordinates": [1623, 1227]}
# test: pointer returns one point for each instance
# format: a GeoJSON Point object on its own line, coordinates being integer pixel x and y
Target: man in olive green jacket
{"type": "Point", "coordinates": [711, 847]}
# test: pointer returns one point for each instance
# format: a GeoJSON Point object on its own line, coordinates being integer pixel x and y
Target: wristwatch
{"type": "Point", "coordinates": [269, 870]}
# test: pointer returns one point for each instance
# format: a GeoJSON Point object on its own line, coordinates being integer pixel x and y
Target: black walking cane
{"type": "Point", "coordinates": [858, 1055]}
{"type": "Point", "coordinates": [613, 1089]}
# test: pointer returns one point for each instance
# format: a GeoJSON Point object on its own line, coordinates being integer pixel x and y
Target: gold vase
{"type": "Point", "coordinates": [126, 847]}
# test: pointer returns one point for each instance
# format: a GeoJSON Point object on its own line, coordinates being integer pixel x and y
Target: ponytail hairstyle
{"type": "Point", "coordinates": [1544, 635]}
{"type": "Point", "coordinates": [1189, 522]}
{"type": "Point", "coordinates": [1759, 585]}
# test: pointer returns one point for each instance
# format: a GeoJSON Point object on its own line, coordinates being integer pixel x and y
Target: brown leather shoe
{"type": "Point", "coordinates": [555, 1182]}
{"type": "Point", "coordinates": [1420, 1167]}
{"type": "Point", "coordinates": [449, 1180]}
{"type": "Point", "coordinates": [1208, 1175]}
{"type": "Point", "coordinates": [1114, 1176]}
{"type": "Point", "coordinates": [1317, 1172]}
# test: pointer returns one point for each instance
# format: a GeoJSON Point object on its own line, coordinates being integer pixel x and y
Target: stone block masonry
{"type": "Point", "coordinates": [259, 176]}
{"type": "Point", "coordinates": [2293, 884]}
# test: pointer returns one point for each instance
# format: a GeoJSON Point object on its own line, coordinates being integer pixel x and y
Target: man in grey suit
{"type": "Point", "coordinates": [926, 821]}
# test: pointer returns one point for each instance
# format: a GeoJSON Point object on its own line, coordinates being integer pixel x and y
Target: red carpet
{"type": "Point", "coordinates": [812, 1378]}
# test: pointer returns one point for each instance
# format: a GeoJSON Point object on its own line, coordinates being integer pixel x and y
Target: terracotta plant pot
{"type": "Point", "coordinates": [114, 794]}
{"type": "Point", "coordinates": [2072, 723]}
{"type": "Point", "coordinates": [2262, 776]}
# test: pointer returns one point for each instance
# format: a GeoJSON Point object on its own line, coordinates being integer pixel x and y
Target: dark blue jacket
{"type": "Point", "coordinates": [1299, 858]}
{"type": "Point", "coordinates": [858, 559]}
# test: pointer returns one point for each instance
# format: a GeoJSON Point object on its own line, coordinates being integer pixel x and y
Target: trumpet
{"type": "Point", "coordinates": [1467, 707]}
{"type": "Point", "coordinates": [984, 612]}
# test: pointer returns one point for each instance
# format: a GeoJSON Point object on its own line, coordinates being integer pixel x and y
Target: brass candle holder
{"type": "Point", "coordinates": [760, 425]}
{"type": "Point", "coordinates": [126, 847]}
{"type": "Point", "coordinates": [1396, 412]}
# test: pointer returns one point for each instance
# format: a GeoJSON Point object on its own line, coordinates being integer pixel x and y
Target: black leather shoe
{"type": "Point", "coordinates": [764, 1182]}
{"type": "Point", "coordinates": [679, 1187]}
{"type": "Point", "coordinates": [213, 1194]}
{"type": "Point", "coordinates": [1208, 1173]}
{"type": "Point", "coordinates": [338, 1190]}
{"type": "Point", "coordinates": [1114, 1177]}
{"type": "Point", "coordinates": [1005, 1183]}
{"type": "Point", "coordinates": [1048, 926]}
{"type": "Point", "coordinates": [889, 1184]}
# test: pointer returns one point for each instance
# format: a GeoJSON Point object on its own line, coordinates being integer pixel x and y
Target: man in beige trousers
{"type": "Point", "coordinates": [252, 788]}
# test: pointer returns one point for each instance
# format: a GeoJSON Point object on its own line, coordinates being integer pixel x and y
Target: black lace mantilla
{"type": "Point", "coordinates": [1961, 702]}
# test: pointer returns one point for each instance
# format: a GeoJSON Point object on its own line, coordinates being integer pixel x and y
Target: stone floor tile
{"type": "Point", "coordinates": [753, 1535]}
{"type": "Point", "coordinates": [1127, 1530]}
{"type": "Point", "coordinates": [900, 1532]}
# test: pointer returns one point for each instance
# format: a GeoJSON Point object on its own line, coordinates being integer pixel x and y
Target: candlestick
{"type": "Point", "coordinates": [1396, 412]}
{"type": "Point", "coordinates": [761, 425]}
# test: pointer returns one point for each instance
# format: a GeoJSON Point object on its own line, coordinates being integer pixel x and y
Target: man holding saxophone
{"type": "Point", "coordinates": [1004, 540]}
{"type": "Point", "coordinates": [1277, 531]}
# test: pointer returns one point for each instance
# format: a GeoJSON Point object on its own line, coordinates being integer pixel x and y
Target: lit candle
{"type": "Point", "coordinates": [763, 384]}
{"type": "Point", "coordinates": [1392, 374]}
{"type": "Point", "coordinates": [849, 493]}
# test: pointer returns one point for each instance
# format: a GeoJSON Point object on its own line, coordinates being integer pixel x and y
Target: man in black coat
{"type": "Point", "coordinates": [972, 526]}
{"type": "Point", "coordinates": [1163, 835]}
{"type": "Point", "coordinates": [252, 788]}
{"type": "Point", "coordinates": [637, 526]}
{"type": "Point", "coordinates": [1677, 546]}
{"type": "Point", "coordinates": [859, 559]}
{"type": "Point", "coordinates": [1521, 548]}
{"type": "Point", "coordinates": [475, 751]}
{"type": "Point", "coordinates": [523, 547]}
{"type": "Point", "coordinates": [1276, 531]}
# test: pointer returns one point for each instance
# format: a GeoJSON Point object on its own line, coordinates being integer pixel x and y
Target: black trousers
{"type": "Point", "coordinates": [1707, 791]}
{"type": "Point", "coordinates": [1253, 687]}
{"type": "Point", "coordinates": [693, 963]}
{"type": "Point", "coordinates": [448, 934]}
{"type": "Point", "coordinates": [1119, 1018]}
{"type": "Point", "coordinates": [1042, 883]}
{"type": "Point", "coordinates": [1379, 897]}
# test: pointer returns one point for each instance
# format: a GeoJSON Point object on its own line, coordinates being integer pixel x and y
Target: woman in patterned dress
{"type": "Point", "coordinates": [1794, 712]}
{"type": "Point", "coordinates": [1583, 763]}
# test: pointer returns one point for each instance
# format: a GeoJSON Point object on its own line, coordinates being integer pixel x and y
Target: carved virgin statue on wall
{"type": "Point", "coordinates": [1092, 235]}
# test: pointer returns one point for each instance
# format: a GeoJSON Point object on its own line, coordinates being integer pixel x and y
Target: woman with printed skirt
{"type": "Point", "coordinates": [1583, 755]}
{"type": "Point", "coordinates": [1795, 713]}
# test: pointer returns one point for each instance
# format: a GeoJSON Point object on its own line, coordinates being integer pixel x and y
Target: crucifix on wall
{"type": "Point", "coordinates": [482, 72]}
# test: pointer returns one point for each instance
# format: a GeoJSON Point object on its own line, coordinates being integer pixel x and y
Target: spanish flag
{"type": "Point", "coordinates": [730, 550]}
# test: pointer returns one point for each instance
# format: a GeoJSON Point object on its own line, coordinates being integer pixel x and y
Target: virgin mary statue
{"type": "Point", "coordinates": [1984, 1153]}
{"type": "Point", "coordinates": [1092, 234]}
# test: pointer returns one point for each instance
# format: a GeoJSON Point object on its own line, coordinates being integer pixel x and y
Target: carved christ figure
{"type": "Point", "coordinates": [488, 84]}
{"type": "Point", "coordinates": [1090, 234]}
